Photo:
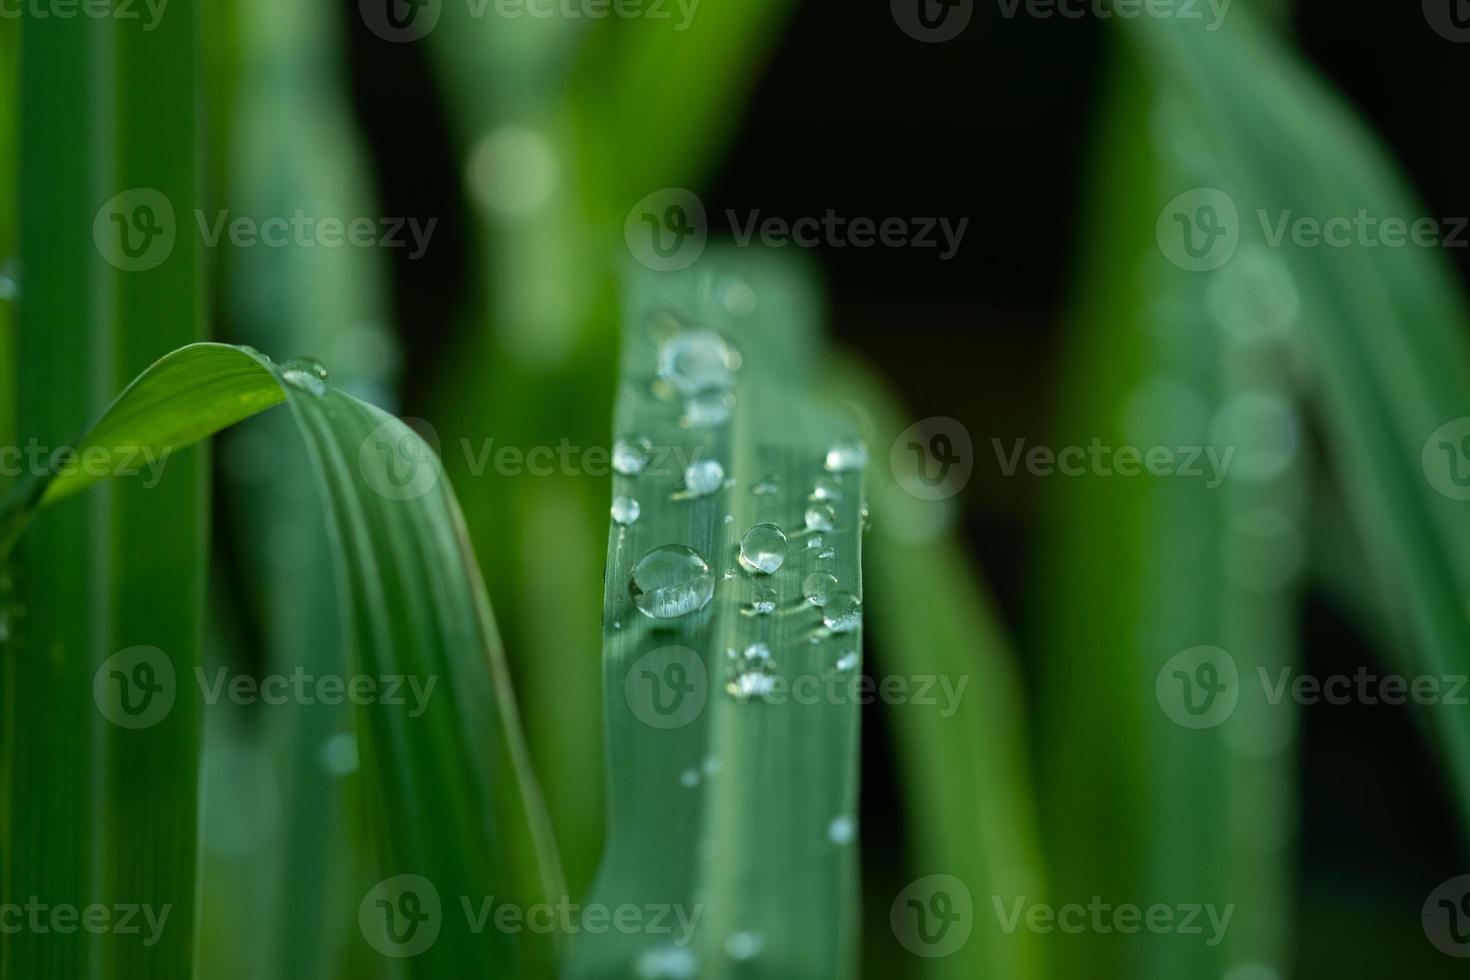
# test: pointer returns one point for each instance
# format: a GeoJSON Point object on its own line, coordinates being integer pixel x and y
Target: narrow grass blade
{"type": "Point", "coordinates": [449, 793]}
{"type": "Point", "coordinates": [731, 729]}
{"type": "Point", "coordinates": [963, 754]}
{"type": "Point", "coordinates": [1384, 330]}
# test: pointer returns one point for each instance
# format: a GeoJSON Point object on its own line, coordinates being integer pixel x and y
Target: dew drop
{"type": "Point", "coordinates": [751, 672]}
{"type": "Point", "coordinates": [814, 542]}
{"type": "Point", "coordinates": [689, 778]}
{"type": "Point", "coordinates": [743, 946]}
{"type": "Point", "coordinates": [307, 374]}
{"type": "Point", "coordinates": [763, 549]}
{"type": "Point", "coordinates": [338, 754]}
{"type": "Point", "coordinates": [707, 410]}
{"type": "Point", "coordinates": [704, 477]}
{"type": "Point", "coordinates": [671, 581]}
{"type": "Point", "coordinates": [763, 601]}
{"type": "Point", "coordinates": [818, 586]}
{"type": "Point", "coordinates": [846, 456]}
{"type": "Point", "coordinates": [696, 361]}
{"type": "Point", "coordinates": [711, 765]}
{"type": "Point", "coordinates": [826, 488]}
{"type": "Point", "coordinates": [848, 661]}
{"type": "Point", "coordinates": [841, 830]}
{"type": "Point", "coordinates": [630, 455]}
{"type": "Point", "coordinates": [842, 612]}
{"type": "Point", "coordinates": [820, 517]}
{"type": "Point", "coordinates": [767, 485]}
{"type": "Point", "coordinates": [827, 554]}
{"type": "Point", "coordinates": [625, 510]}
{"type": "Point", "coordinates": [667, 963]}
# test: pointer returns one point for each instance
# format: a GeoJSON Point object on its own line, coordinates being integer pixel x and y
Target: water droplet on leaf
{"type": "Point", "coordinates": [671, 581]}
{"type": "Point", "coordinates": [763, 548]}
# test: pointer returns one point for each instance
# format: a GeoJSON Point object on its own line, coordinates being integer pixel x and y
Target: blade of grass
{"type": "Point", "coordinates": [964, 763]}
{"type": "Point", "coordinates": [735, 808]}
{"type": "Point", "coordinates": [1384, 330]}
{"type": "Point", "coordinates": [450, 798]}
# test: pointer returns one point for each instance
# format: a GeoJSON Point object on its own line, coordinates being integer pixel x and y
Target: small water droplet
{"type": "Point", "coordinates": [707, 410]}
{"type": "Point", "coordinates": [827, 554]}
{"type": "Point", "coordinates": [842, 612]}
{"type": "Point", "coordinates": [729, 574]}
{"type": "Point", "coordinates": [630, 455]}
{"type": "Point", "coordinates": [847, 455]}
{"type": "Point", "coordinates": [338, 754]}
{"type": "Point", "coordinates": [827, 488]}
{"type": "Point", "coordinates": [712, 765]}
{"type": "Point", "coordinates": [818, 586]}
{"type": "Point", "coordinates": [739, 298]}
{"type": "Point", "coordinates": [625, 510]}
{"type": "Point", "coordinates": [752, 674]}
{"type": "Point", "coordinates": [671, 581]}
{"type": "Point", "coordinates": [763, 601]}
{"type": "Point", "coordinates": [763, 548]}
{"type": "Point", "coordinates": [695, 361]}
{"type": "Point", "coordinates": [767, 485]}
{"type": "Point", "coordinates": [744, 946]}
{"type": "Point", "coordinates": [848, 661]}
{"type": "Point", "coordinates": [814, 542]}
{"type": "Point", "coordinates": [729, 518]}
{"type": "Point", "coordinates": [668, 963]}
{"type": "Point", "coordinates": [820, 517]}
{"type": "Point", "coordinates": [689, 778]}
{"type": "Point", "coordinates": [841, 830]}
{"type": "Point", "coordinates": [305, 373]}
{"type": "Point", "coordinates": [703, 477]}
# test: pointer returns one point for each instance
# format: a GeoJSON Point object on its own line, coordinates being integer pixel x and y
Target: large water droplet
{"type": "Point", "coordinates": [703, 477]}
{"type": "Point", "coordinates": [842, 612]}
{"type": "Point", "coordinates": [847, 455]}
{"type": "Point", "coordinates": [625, 510]}
{"type": "Point", "coordinates": [763, 548]}
{"type": "Point", "coordinates": [695, 361]}
{"type": "Point", "coordinates": [671, 581]}
{"type": "Point", "coordinates": [818, 586]}
{"type": "Point", "coordinates": [305, 373]}
{"type": "Point", "coordinates": [630, 455]}
{"type": "Point", "coordinates": [820, 517]}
